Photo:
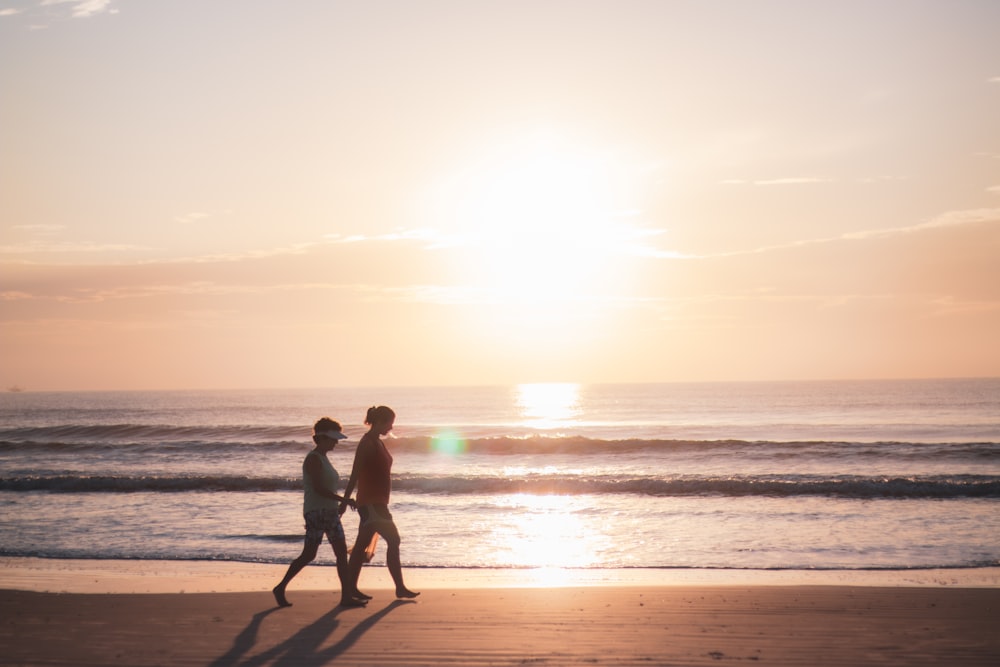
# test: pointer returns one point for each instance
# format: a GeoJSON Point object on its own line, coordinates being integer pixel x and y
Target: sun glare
{"type": "Point", "coordinates": [540, 219]}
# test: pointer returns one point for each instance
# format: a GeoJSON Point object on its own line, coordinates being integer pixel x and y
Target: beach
{"type": "Point", "coordinates": [462, 618]}
{"type": "Point", "coordinates": [797, 524]}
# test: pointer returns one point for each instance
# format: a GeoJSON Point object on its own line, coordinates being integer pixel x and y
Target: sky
{"type": "Point", "coordinates": [251, 194]}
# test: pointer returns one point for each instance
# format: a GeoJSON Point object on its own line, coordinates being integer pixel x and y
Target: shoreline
{"type": "Point", "coordinates": [79, 576]}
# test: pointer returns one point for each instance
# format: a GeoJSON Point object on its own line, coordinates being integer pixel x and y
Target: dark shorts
{"type": "Point", "coordinates": [323, 522]}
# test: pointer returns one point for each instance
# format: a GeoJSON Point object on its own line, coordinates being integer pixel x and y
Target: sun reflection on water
{"type": "Point", "coordinates": [545, 532]}
{"type": "Point", "coordinates": [548, 404]}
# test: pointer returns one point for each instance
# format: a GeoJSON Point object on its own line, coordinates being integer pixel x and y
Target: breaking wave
{"type": "Point", "coordinates": [847, 486]}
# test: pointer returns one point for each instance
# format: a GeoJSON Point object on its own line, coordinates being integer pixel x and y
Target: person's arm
{"type": "Point", "coordinates": [314, 473]}
{"type": "Point", "coordinates": [353, 481]}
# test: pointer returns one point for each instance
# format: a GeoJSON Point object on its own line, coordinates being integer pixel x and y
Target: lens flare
{"type": "Point", "coordinates": [448, 443]}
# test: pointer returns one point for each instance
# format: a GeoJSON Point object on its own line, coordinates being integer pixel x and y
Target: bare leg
{"type": "Point", "coordinates": [340, 552]}
{"type": "Point", "coordinates": [357, 560]}
{"type": "Point", "coordinates": [343, 573]}
{"type": "Point", "coordinates": [392, 561]}
{"type": "Point", "coordinates": [306, 557]}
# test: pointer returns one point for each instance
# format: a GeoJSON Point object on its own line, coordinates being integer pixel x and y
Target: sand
{"type": "Point", "coordinates": [486, 624]}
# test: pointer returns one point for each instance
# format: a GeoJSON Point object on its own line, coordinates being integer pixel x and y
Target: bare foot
{"type": "Point", "coordinates": [361, 596]}
{"type": "Point", "coordinates": [279, 597]}
{"type": "Point", "coordinates": [405, 593]}
{"type": "Point", "coordinates": [351, 602]}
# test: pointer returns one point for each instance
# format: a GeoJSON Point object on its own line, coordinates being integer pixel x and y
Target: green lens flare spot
{"type": "Point", "coordinates": [449, 444]}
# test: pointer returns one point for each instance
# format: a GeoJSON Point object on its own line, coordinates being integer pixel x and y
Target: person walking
{"type": "Point", "coordinates": [322, 508]}
{"type": "Point", "coordinates": [372, 476]}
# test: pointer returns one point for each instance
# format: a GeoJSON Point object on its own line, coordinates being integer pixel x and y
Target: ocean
{"type": "Point", "coordinates": [863, 475]}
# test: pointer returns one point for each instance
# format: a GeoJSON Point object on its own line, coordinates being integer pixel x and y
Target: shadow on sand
{"type": "Point", "coordinates": [302, 648]}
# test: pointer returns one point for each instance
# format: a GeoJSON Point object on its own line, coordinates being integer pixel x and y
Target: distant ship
{"type": "Point", "coordinates": [15, 389]}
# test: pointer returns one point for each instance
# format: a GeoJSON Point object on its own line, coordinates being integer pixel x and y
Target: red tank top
{"type": "Point", "coordinates": [374, 476]}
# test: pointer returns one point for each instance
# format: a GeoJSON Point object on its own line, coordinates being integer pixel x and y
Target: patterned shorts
{"type": "Point", "coordinates": [323, 522]}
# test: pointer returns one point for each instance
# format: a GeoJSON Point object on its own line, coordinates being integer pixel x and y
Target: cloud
{"type": "Point", "coordinates": [450, 295]}
{"type": "Point", "coordinates": [44, 241]}
{"type": "Point", "coordinates": [995, 189]}
{"type": "Point", "coordinates": [433, 237]}
{"type": "Point", "coordinates": [15, 295]}
{"type": "Point", "coordinates": [84, 8]}
{"type": "Point", "coordinates": [41, 229]}
{"type": "Point", "coordinates": [881, 179]}
{"type": "Point", "coordinates": [224, 258]}
{"type": "Point", "coordinates": [80, 294]}
{"type": "Point", "coordinates": [190, 218]}
{"type": "Point", "coordinates": [964, 217]}
{"type": "Point", "coordinates": [35, 247]}
{"type": "Point", "coordinates": [949, 219]}
{"type": "Point", "coordinates": [47, 248]}
{"type": "Point", "coordinates": [949, 305]}
{"type": "Point", "coordinates": [9, 12]}
{"type": "Point", "coordinates": [794, 180]}
{"type": "Point", "coordinates": [627, 240]}
{"type": "Point", "coordinates": [469, 295]}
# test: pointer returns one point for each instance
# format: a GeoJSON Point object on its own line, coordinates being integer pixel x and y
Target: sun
{"type": "Point", "coordinates": [540, 218]}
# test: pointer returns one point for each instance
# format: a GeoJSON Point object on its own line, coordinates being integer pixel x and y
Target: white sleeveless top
{"type": "Point", "coordinates": [328, 479]}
